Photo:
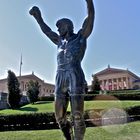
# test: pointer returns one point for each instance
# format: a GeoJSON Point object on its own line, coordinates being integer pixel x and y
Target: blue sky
{"type": "Point", "coordinates": [115, 39]}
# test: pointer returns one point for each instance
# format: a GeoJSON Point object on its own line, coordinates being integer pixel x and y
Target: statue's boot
{"type": "Point", "coordinates": [67, 131]}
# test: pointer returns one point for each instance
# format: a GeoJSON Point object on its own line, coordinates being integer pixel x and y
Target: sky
{"type": "Point", "coordinates": [115, 39]}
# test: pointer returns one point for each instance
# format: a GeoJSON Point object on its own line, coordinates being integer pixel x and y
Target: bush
{"type": "Point", "coordinates": [46, 98]}
{"type": "Point", "coordinates": [132, 96]}
{"type": "Point", "coordinates": [39, 121]}
{"type": "Point", "coordinates": [134, 112]}
{"type": "Point", "coordinates": [95, 84]}
{"type": "Point", "coordinates": [120, 96]}
{"type": "Point", "coordinates": [33, 121]}
{"type": "Point", "coordinates": [13, 90]}
{"type": "Point", "coordinates": [33, 91]}
{"type": "Point", "coordinates": [125, 91]}
{"type": "Point", "coordinates": [89, 97]}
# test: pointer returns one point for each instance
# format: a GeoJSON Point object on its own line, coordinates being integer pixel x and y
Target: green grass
{"type": "Point", "coordinates": [30, 108]}
{"type": "Point", "coordinates": [130, 131]}
{"type": "Point", "coordinates": [49, 106]}
{"type": "Point", "coordinates": [110, 104]}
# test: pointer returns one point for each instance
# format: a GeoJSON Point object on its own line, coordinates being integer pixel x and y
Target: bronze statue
{"type": "Point", "coordinates": [70, 79]}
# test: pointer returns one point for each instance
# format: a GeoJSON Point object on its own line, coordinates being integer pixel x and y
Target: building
{"type": "Point", "coordinates": [46, 89]}
{"type": "Point", "coordinates": [117, 79]}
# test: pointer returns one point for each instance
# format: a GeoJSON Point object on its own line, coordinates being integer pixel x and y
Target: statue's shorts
{"type": "Point", "coordinates": [70, 82]}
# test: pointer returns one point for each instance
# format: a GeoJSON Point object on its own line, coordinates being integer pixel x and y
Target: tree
{"type": "Point", "coordinates": [95, 85]}
{"type": "Point", "coordinates": [13, 90]}
{"type": "Point", "coordinates": [33, 91]}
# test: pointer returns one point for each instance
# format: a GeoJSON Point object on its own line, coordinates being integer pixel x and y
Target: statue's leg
{"type": "Point", "coordinates": [61, 104]}
{"type": "Point", "coordinates": [77, 107]}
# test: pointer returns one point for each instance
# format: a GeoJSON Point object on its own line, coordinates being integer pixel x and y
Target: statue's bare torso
{"type": "Point", "coordinates": [71, 52]}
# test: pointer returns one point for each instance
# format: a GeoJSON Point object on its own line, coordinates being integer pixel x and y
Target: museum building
{"type": "Point", "coordinates": [117, 79]}
{"type": "Point", "coordinates": [46, 89]}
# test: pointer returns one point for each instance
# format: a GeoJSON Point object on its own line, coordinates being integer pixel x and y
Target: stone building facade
{"type": "Point", "coordinates": [46, 89]}
{"type": "Point", "coordinates": [117, 79]}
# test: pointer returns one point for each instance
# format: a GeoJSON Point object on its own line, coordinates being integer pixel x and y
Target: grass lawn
{"type": "Point", "coordinates": [110, 104]}
{"type": "Point", "coordinates": [49, 106]}
{"type": "Point", "coordinates": [130, 131]}
{"type": "Point", "coordinates": [43, 106]}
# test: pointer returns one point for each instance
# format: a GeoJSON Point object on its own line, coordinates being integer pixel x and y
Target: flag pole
{"type": "Point", "coordinates": [20, 65]}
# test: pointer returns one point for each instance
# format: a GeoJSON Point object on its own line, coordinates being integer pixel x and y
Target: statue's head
{"type": "Point", "coordinates": [64, 26]}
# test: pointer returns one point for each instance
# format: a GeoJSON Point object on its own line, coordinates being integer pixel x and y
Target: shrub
{"type": "Point", "coordinates": [13, 90]}
{"type": "Point", "coordinates": [46, 98]}
{"type": "Point", "coordinates": [28, 121]}
{"type": "Point", "coordinates": [33, 91]}
{"type": "Point", "coordinates": [120, 95]}
{"type": "Point", "coordinates": [38, 121]}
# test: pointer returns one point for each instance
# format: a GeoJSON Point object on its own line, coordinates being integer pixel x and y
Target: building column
{"type": "Point", "coordinates": [122, 83]}
{"type": "Point", "coordinates": [128, 83]}
{"type": "Point", "coordinates": [117, 82]}
{"type": "Point", "coordinates": [107, 84]}
{"type": "Point", "coordinates": [102, 84]}
{"type": "Point", "coordinates": [112, 84]}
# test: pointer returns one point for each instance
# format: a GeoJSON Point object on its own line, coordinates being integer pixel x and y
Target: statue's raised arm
{"type": "Point", "coordinates": [89, 21]}
{"type": "Point", "coordinates": [54, 37]}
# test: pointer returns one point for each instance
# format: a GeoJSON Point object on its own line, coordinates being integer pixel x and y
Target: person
{"type": "Point", "coordinates": [70, 80]}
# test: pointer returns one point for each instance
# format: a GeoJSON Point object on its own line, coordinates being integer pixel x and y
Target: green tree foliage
{"type": "Point", "coordinates": [13, 90]}
{"type": "Point", "coordinates": [33, 91]}
{"type": "Point", "coordinates": [95, 85]}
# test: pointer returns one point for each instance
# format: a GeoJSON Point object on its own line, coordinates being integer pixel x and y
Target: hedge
{"type": "Point", "coordinates": [28, 121]}
{"type": "Point", "coordinates": [125, 91]}
{"type": "Point", "coordinates": [46, 98]}
{"type": "Point", "coordinates": [38, 121]}
{"type": "Point", "coordinates": [132, 96]}
{"type": "Point", "coordinates": [120, 95]}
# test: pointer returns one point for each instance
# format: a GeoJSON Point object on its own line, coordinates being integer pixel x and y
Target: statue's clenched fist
{"type": "Point", "coordinates": [35, 12]}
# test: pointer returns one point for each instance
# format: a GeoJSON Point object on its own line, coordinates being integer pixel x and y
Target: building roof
{"type": "Point", "coordinates": [30, 76]}
{"type": "Point", "coordinates": [110, 70]}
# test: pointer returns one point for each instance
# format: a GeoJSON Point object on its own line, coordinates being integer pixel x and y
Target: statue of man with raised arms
{"type": "Point", "coordinates": [70, 80]}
